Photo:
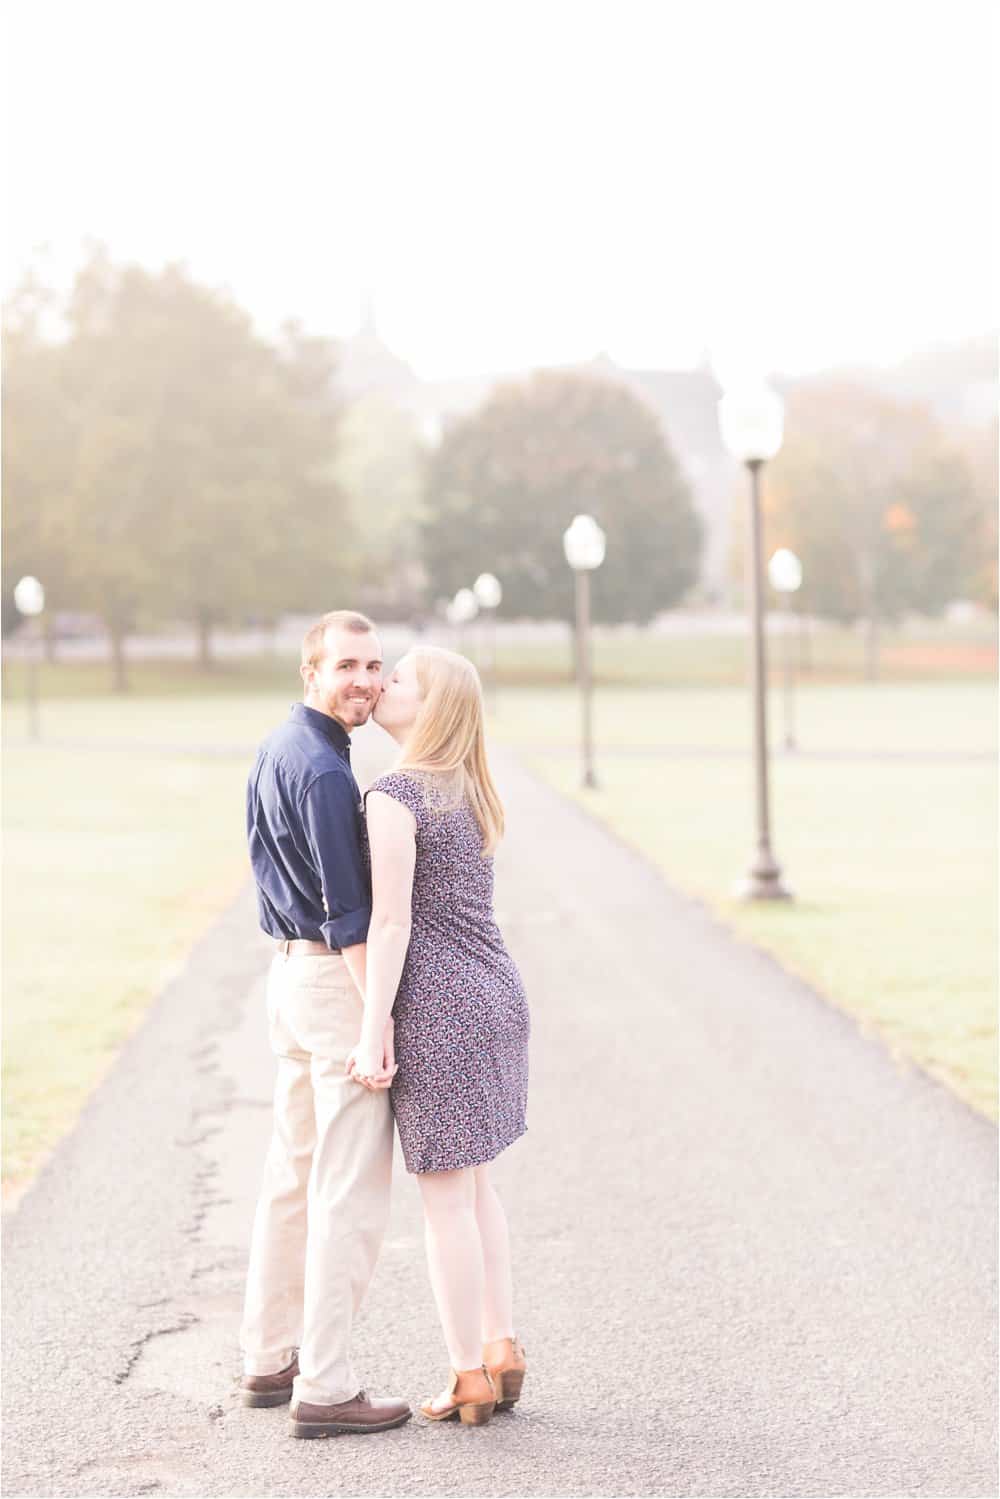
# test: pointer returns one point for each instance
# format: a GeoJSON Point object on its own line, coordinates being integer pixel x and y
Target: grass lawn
{"type": "Point", "coordinates": [893, 870]}
{"type": "Point", "coordinates": [114, 865]}
{"type": "Point", "coordinates": [117, 859]}
{"type": "Point", "coordinates": [901, 717]}
{"type": "Point", "coordinates": [892, 861]}
{"type": "Point", "coordinates": [627, 655]}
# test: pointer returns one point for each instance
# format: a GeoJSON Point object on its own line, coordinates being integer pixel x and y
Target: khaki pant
{"type": "Point", "coordinates": [328, 1170]}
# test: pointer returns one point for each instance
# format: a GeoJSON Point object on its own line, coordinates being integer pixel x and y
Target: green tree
{"type": "Point", "coordinates": [36, 451]}
{"type": "Point", "coordinates": [506, 482]}
{"type": "Point", "coordinates": [979, 448]}
{"type": "Point", "coordinates": [194, 475]}
{"type": "Point", "coordinates": [315, 539]}
{"type": "Point", "coordinates": [877, 502]}
{"type": "Point", "coordinates": [258, 523]}
{"type": "Point", "coordinates": [205, 452]}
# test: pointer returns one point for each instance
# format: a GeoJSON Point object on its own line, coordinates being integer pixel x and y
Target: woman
{"type": "Point", "coordinates": [437, 961]}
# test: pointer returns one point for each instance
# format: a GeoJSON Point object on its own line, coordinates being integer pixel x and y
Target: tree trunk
{"type": "Point", "coordinates": [871, 647]}
{"type": "Point", "coordinates": [205, 625]}
{"type": "Point", "coordinates": [119, 674]}
{"type": "Point", "coordinates": [869, 604]}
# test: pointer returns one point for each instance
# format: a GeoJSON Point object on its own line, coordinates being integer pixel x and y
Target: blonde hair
{"type": "Point", "coordinates": [448, 737]}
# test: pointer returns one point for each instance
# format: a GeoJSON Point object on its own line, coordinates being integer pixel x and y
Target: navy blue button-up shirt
{"type": "Point", "coordinates": [304, 815]}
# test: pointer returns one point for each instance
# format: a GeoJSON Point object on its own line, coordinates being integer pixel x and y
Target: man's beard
{"type": "Point", "coordinates": [351, 710]}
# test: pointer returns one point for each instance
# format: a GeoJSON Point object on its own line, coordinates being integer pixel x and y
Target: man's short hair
{"type": "Point", "coordinates": [314, 640]}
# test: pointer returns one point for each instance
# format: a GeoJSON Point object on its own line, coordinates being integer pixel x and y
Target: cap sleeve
{"type": "Point", "coordinates": [405, 789]}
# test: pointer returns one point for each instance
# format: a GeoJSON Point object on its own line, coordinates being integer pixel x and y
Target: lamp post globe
{"type": "Point", "coordinates": [464, 606]}
{"type": "Point", "coordinates": [460, 612]}
{"type": "Point", "coordinates": [752, 422]}
{"type": "Point", "coordinates": [487, 591]}
{"type": "Point", "coordinates": [29, 597]}
{"type": "Point", "coordinates": [584, 544]}
{"type": "Point", "coordinates": [784, 571]}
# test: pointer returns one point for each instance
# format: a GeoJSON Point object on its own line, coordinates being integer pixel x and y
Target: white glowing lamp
{"type": "Point", "coordinates": [584, 544]}
{"type": "Point", "coordinates": [488, 591]}
{"type": "Point", "coordinates": [463, 607]}
{"type": "Point", "coordinates": [29, 596]}
{"type": "Point", "coordinates": [752, 422]}
{"type": "Point", "coordinates": [784, 571]}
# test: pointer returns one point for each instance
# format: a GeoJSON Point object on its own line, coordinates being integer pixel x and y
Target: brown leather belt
{"type": "Point", "coordinates": [304, 948]}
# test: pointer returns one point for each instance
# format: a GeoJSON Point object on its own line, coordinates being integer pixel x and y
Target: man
{"type": "Point", "coordinates": [324, 1200]}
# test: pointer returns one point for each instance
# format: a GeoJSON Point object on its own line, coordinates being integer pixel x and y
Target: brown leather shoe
{"type": "Point", "coordinates": [360, 1414]}
{"type": "Point", "coordinates": [269, 1389]}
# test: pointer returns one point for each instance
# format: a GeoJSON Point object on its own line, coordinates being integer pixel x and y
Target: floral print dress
{"type": "Point", "coordinates": [462, 1023]}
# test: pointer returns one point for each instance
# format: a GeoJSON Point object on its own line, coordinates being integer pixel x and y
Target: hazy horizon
{"type": "Point", "coordinates": [794, 189]}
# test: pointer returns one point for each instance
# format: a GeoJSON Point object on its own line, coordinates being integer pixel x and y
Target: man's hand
{"type": "Point", "coordinates": [374, 1067]}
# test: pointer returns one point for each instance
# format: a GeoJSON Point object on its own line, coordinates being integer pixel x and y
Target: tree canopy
{"type": "Point", "coordinates": [879, 504]}
{"type": "Point", "coordinates": [507, 481]}
{"type": "Point", "coordinates": [166, 462]}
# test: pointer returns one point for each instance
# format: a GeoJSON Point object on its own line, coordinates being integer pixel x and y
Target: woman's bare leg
{"type": "Point", "coordinates": [455, 1260]}
{"type": "Point", "coordinates": [497, 1304]}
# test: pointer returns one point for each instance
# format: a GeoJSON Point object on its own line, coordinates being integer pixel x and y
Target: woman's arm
{"type": "Point", "coordinates": [392, 839]}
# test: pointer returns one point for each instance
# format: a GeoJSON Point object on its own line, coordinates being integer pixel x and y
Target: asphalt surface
{"type": "Point", "coordinates": [753, 1254]}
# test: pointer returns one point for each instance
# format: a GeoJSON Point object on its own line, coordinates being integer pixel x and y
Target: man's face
{"type": "Point", "coordinates": [346, 682]}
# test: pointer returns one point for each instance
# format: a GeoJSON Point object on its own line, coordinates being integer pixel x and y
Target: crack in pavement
{"type": "Point", "coordinates": [188, 1319]}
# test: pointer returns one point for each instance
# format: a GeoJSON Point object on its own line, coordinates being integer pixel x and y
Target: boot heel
{"type": "Point", "coordinates": [509, 1388]}
{"type": "Point", "coordinates": [260, 1398]}
{"type": "Point", "coordinates": [476, 1415]}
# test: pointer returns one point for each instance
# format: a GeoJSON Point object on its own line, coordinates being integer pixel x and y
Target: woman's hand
{"type": "Point", "coordinates": [374, 1066]}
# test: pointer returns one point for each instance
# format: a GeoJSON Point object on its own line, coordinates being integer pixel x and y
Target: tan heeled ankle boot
{"type": "Point", "coordinates": [475, 1412]}
{"type": "Point", "coordinates": [508, 1374]}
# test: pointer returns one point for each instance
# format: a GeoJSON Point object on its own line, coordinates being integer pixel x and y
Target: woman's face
{"type": "Point", "coordinates": [397, 707]}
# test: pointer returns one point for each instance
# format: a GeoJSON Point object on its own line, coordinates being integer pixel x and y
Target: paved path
{"type": "Point", "coordinates": [754, 1256]}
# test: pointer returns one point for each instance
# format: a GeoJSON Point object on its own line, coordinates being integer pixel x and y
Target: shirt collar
{"type": "Point", "coordinates": [334, 731]}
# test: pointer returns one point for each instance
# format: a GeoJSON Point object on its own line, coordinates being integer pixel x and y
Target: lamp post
{"type": "Point", "coordinates": [751, 421]}
{"type": "Point", "coordinates": [584, 544]}
{"type": "Point", "coordinates": [488, 594]}
{"type": "Point", "coordinates": [462, 611]}
{"type": "Point", "coordinates": [785, 573]}
{"type": "Point", "coordinates": [29, 600]}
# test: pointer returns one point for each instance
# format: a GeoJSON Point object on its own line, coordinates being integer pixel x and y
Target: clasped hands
{"type": "Point", "coordinates": [373, 1066]}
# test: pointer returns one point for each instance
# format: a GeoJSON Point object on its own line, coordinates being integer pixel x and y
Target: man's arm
{"type": "Point", "coordinates": [330, 822]}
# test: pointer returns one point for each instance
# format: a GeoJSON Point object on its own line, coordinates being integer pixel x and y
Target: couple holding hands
{"type": "Point", "coordinates": [391, 996]}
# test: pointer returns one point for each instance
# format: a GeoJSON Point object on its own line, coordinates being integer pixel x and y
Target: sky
{"type": "Point", "coordinates": [780, 186]}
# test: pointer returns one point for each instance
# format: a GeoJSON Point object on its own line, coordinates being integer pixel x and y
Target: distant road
{"type": "Point", "coordinates": [182, 645]}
